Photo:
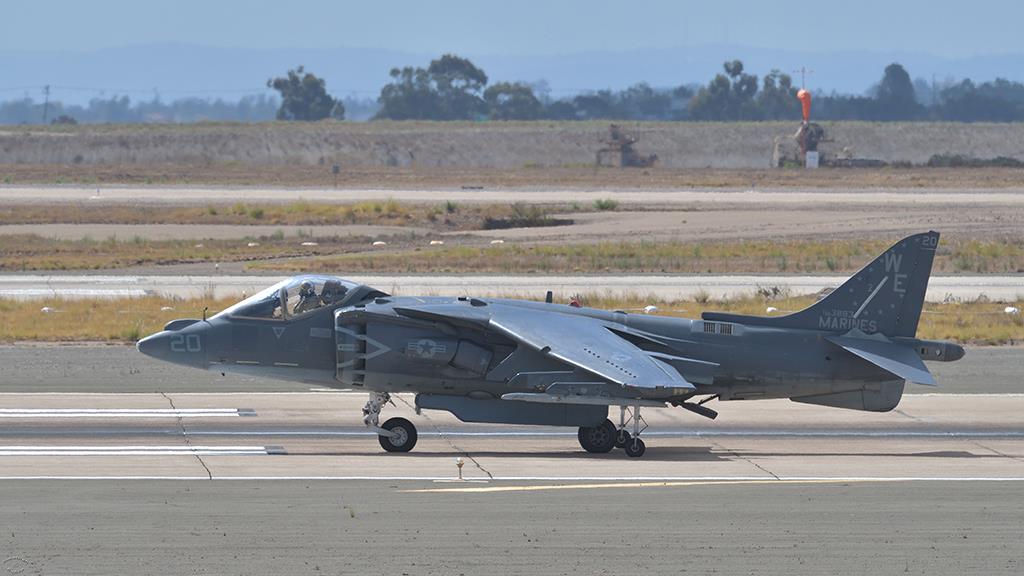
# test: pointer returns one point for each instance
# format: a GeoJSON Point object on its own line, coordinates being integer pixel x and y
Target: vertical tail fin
{"type": "Point", "coordinates": [885, 297]}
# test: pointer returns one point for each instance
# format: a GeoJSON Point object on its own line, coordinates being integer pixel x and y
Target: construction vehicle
{"type": "Point", "coordinates": [618, 151]}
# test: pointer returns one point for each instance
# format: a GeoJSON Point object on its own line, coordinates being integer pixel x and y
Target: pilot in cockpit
{"type": "Point", "coordinates": [333, 291]}
{"type": "Point", "coordinates": [308, 299]}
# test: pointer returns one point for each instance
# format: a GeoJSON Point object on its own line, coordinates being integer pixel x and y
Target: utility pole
{"type": "Point", "coordinates": [46, 102]}
{"type": "Point", "coordinates": [803, 71]}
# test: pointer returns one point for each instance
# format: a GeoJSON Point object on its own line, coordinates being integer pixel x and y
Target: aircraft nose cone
{"type": "Point", "coordinates": [156, 345]}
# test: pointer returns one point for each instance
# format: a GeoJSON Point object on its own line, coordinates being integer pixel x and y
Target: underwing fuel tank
{"type": "Point", "coordinates": [494, 410]}
{"type": "Point", "coordinates": [875, 397]}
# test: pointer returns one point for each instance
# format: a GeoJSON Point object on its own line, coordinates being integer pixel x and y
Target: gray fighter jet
{"type": "Point", "coordinates": [540, 363]}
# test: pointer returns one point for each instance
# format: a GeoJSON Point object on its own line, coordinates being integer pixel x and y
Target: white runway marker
{"type": "Point", "coordinates": [724, 480]}
{"type": "Point", "coordinates": [123, 412]}
{"type": "Point", "coordinates": [851, 433]}
{"type": "Point", "coordinates": [135, 450]}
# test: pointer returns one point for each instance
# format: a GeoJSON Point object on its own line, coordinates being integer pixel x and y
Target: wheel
{"type": "Point", "coordinates": [635, 448]}
{"type": "Point", "coordinates": [598, 439]}
{"type": "Point", "coordinates": [621, 438]}
{"type": "Point", "coordinates": [405, 435]}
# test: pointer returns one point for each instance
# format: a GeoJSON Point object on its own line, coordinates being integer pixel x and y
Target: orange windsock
{"type": "Point", "coordinates": [805, 103]}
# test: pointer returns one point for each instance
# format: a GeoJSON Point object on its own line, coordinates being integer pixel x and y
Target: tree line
{"type": "Point", "coordinates": [453, 88]}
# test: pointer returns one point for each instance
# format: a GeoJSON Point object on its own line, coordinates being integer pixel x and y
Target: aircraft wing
{"type": "Point", "coordinates": [579, 341]}
{"type": "Point", "coordinates": [896, 359]}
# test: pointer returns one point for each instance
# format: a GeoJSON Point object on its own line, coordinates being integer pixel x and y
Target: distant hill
{"type": "Point", "coordinates": [177, 71]}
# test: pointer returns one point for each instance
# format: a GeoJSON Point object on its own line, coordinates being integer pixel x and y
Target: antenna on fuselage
{"type": "Point", "coordinates": [204, 313]}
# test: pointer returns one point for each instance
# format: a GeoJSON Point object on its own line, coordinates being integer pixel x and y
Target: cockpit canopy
{"type": "Point", "coordinates": [298, 296]}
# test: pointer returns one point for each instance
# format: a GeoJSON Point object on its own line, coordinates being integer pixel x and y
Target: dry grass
{"type": "Point", "coordinates": [389, 212]}
{"type": "Point", "coordinates": [29, 252]}
{"type": "Point", "coordinates": [121, 320]}
{"type": "Point", "coordinates": [349, 254]}
{"type": "Point", "coordinates": [800, 256]}
{"type": "Point", "coordinates": [127, 320]}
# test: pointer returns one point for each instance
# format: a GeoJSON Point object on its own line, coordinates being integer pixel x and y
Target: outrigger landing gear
{"type": "Point", "coordinates": [631, 443]}
{"type": "Point", "coordinates": [397, 434]}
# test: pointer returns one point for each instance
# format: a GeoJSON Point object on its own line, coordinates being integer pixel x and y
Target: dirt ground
{"type": "Point", "coordinates": [777, 223]}
{"type": "Point", "coordinates": [127, 232]}
{"type": "Point", "coordinates": [655, 215]}
{"type": "Point", "coordinates": [504, 145]}
{"type": "Point", "coordinates": [525, 177]}
{"type": "Point", "coordinates": [975, 222]}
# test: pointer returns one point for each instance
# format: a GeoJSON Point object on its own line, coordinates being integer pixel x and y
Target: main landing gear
{"type": "Point", "coordinates": [396, 434]}
{"type": "Point", "coordinates": [602, 438]}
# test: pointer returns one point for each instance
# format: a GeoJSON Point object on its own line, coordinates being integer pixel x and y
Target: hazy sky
{"type": "Point", "coordinates": [940, 27]}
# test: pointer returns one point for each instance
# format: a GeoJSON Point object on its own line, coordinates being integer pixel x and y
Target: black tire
{"type": "Point", "coordinates": [405, 439]}
{"type": "Point", "coordinates": [635, 448]}
{"type": "Point", "coordinates": [622, 437]}
{"type": "Point", "coordinates": [598, 439]}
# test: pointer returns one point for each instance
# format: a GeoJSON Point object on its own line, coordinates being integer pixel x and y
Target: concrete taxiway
{"type": "Point", "coordinates": [321, 435]}
{"type": "Point", "coordinates": [111, 463]}
{"type": "Point", "coordinates": [290, 483]}
{"type": "Point", "coordinates": [384, 527]}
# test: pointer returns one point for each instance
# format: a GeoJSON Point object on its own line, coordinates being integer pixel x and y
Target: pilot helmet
{"type": "Point", "coordinates": [332, 292]}
{"type": "Point", "coordinates": [306, 288]}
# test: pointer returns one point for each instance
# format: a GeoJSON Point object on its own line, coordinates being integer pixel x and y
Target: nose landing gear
{"type": "Point", "coordinates": [402, 435]}
{"type": "Point", "coordinates": [397, 434]}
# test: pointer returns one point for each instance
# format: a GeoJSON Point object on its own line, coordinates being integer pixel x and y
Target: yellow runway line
{"type": "Point", "coordinates": [669, 484]}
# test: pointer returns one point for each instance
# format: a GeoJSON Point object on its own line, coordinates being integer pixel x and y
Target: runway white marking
{"type": "Point", "coordinates": [132, 450]}
{"type": "Point", "coordinates": [322, 391]}
{"type": "Point", "coordinates": [720, 479]}
{"type": "Point", "coordinates": [651, 434]}
{"type": "Point", "coordinates": [181, 394]}
{"type": "Point", "coordinates": [119, 412]}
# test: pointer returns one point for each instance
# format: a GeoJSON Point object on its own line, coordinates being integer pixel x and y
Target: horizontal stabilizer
{"type": "Point", "coordinates": [898, 360]}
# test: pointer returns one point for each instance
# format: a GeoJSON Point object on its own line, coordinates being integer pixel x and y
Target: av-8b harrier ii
{"type": "Point", "coordinates": [540, 363]}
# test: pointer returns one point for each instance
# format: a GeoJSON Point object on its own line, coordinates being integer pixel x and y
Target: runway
{"type": "Point", "coordinates": [665, 286]}
{"type": "Point", "coordinates": [190, 478]}
{"type": "Point", "coordinates": [319, 435]}
{"type": "Point", "coordinates": [381, 527]}
{"type": "Point", "coordinates": [297, 486]}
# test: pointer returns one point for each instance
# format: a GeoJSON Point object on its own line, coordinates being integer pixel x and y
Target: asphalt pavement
{"type": "Point", "coordinates": [291, 484]}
